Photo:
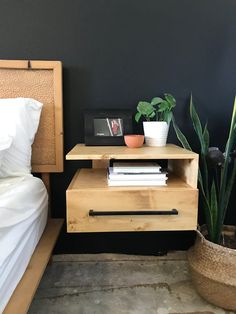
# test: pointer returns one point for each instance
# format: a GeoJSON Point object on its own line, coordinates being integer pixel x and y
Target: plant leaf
{"type": "Point", "coordinates": [224, 194]}
{"type": "Point", "coordinates": [152, 115]}
{"type": "Point", "coordinates": [232, 132]}
{"type": "Point", "coordinates": [206, 205]}
{"type": "Point", "coordinates": [137, 116]}
{"type": "Point", "coordinates": [181, 137]}
{"type": "Point", "coordinates": [214, 208]}
{"type": "Point", "coordinates": [206, 139]}
{"type": "Point", "coordinates": [171, 100]}
{"type": "Point", "coordinates": [156, 101]}
{"type": "Point", "coordinates": [167, 116]}
{"type": "Point", "coordinates": [198, 129]}
{"type": "Point", "coordinates": [164, 105]}
{"type": "Point", "coordinates": [197, 125]}
{"type": "Point", "coordinates": [229, 188]}
{"type": "Point", "coordinates": [161, 109]}
{"type": "Point", "coordinates": [145, 108]}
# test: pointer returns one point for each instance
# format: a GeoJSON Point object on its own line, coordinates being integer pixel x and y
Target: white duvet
{"type": "Point", "coordinates": [23, 215]}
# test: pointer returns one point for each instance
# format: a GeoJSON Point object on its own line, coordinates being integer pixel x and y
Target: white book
{"type": "Point", "coordinates": [137, 183]}
{"type": "Point", "coordinates": [135, 176]}
{"type": "Point", "coordinates": [136, 167]}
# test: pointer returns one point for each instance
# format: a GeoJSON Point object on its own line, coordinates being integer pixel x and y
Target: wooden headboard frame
{"type": "Point", "coordinates": [41, 80]}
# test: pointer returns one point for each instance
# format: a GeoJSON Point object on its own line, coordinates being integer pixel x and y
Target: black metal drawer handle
{"type": "Point", "coordinates": [133, 212]}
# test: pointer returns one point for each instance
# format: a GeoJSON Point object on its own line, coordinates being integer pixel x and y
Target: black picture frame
{"type": "Point", "coordinates": [107, 127]}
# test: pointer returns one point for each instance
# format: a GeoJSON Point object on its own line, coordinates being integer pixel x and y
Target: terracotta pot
{"type": "Point", "coordinates": [213, 270]}
{"type": "Point", "coordinates": [133, 140]}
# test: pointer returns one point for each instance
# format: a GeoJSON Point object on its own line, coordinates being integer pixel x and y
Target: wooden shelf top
{"type": "Point", "coordinates": [170, 151]}
{"type": "Point", "coordinates": [96, 179]}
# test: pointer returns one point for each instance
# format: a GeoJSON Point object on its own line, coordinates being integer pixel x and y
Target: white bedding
{"type": "Point", "coordinates": [23, 215]}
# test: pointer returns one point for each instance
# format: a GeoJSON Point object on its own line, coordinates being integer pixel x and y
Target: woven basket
{"type": "Point", "coordinates": [213, 271]}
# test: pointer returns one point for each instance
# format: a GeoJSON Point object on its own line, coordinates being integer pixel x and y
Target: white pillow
{"type": "Point", "coordinates": [5, 142]}
{"type": "Point", "coordinates": [19, 120]}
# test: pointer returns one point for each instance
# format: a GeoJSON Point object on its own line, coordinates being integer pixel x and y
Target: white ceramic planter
{"type": "Point", "coordinates": [155, 133]}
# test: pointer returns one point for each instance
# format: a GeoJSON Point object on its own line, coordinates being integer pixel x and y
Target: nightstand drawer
{"type": "Point", "coordinates": [92, 208]}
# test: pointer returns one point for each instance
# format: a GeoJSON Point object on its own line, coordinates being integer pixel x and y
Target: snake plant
{"type": "Point", "coordinates": [217, 172]}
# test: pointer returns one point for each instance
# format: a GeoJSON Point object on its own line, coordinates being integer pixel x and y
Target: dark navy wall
{"type": "Point", "coordinates": [116, 52]}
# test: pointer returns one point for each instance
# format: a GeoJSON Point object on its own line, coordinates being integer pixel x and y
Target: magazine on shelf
{"type": "Point", "coordinates": [136, 183]}
{"type": "Point", "coordinates": [136, 167]}
{"type": "Point", "coordinates": [118, 176]}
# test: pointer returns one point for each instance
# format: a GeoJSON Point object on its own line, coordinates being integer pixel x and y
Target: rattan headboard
{"type": "Point", "coordinates": [41, 80]}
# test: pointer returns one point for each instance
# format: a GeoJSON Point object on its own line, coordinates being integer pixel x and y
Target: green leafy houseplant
{"type": "Point", "coordinates": [217, 172]}
{"type": "Point", "coordinates": [159, 109]}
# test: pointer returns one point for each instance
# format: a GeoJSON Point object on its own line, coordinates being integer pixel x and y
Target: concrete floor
{"type": "Point", "coordinates": [119, 284]}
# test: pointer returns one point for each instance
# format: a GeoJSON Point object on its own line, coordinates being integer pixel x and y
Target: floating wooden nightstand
{"type": "Point", "coordinates": [93, 206]}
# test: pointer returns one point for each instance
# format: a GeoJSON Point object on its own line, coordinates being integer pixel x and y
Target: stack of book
{"type": "Point", "coordinates": [136, 174]}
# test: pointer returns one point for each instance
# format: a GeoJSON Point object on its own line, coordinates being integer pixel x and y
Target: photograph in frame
{"type": "Point", "coordinates": [107, 127]}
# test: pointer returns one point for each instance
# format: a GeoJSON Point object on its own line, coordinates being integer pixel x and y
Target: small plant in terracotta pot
{"type": "Point", "coordinates": [158, 115]}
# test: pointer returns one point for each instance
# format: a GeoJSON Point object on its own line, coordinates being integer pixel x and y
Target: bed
{"type": "Point", "coordinates": [27, 232]}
